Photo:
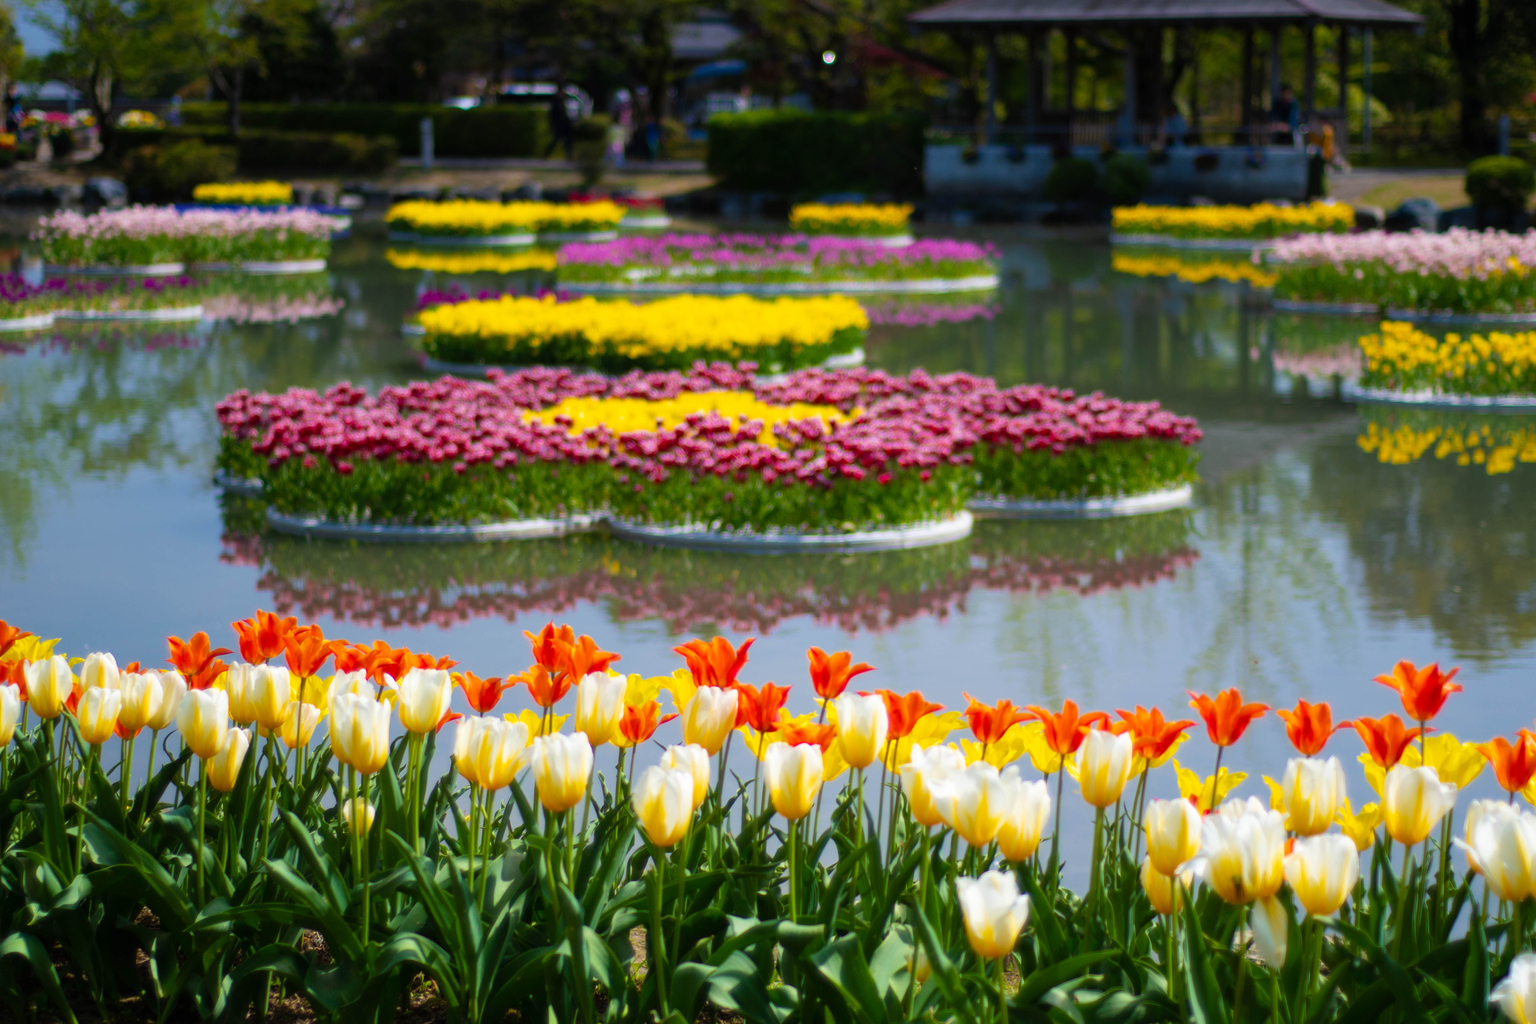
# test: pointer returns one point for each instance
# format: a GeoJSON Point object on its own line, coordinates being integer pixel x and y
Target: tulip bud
{"type": "Point", "coordinates": [994, 912]}
{"type": "Point", "coordinates": [425, 694]}
{"type": "Point", "coordinates": [203, 719]}
{"type": "Point", "coordinates": [1026, 807]}
{"type": "Point", "coordinates": [360, 732]}
{"type": "Point", "coordinates": [600, 706]}
{"type": "Point", "coordinates": [1414, 800]}
{"type": "Point", "coordinates": [49, 684]}
{"type": "Point", "coordinates": [173, 687]}
{"type": "Point", "coordinates": [1104, 766]}
{"type": "Point", "coordinates": [1515, 995]}
{"type": "Point", "coordinates": [561, 767]}
{"type": "Point", "coordinates": [794, 774]}
{"type": "Point", "coordinates": [358, 814]}
{"type": "Point", "coordinates": [10, 712]}
{"type": "Point", "coordinates": [694, 760]}
{"type": "Point", "coordinates": [1173, 834]}
{"type": "Point", "coordinates": [1242, 851]}
{"type": "Point", "coordinates": [1322, 871]}
{"type": "Point", "coordinates": [500, 750]}
{"type": "Point", "coordinates": [972, 802]}
{"type": "Point", "coordinates": [862, 727]}
{"type": "Point", "coordinates": [142, 695]}
{"type": "Point", "coordinates": [1313, 791]}
{"type": "Point", "coordinates": [925, 770]}
{"type": "Point", "coordinates": [466, 731]}
{"type": "Point", "coordinates": [1165, 892]}
{"type": "Point", "coordinates": [709, 717]}
{"type": "Point", "coordinates": [270, 691]}
{"type": "Point", "coordinates": [240, 684]}
{"type": "Point", "coordinates": [97, 714]}
{"type": "Point", "coordinates": [1501, 846]}
{"type": "Point", "coordinates": [663, 803]}
{"type": "Point", "coordinates": [99, 671]}
{"type": "Point", "coordinates": [224, 767]}
{"type": "Point", "coordinates": [299, 721]}
{"type": "Point", "coordinates": [1271, 927]}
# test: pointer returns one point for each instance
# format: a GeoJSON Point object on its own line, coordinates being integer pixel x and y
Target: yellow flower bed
{"type": "Point", "coordinates": [599, 216]}
{"type": "Point", "coordinates": [1496, 451]}
{"type": "Point", "coordinates": [1260, 221]}
{"type": "Point", "coordinates": [1403, 358]}
{"type": "Point", "coordinates": [470, 262]}
{"type": "Point", "coordinates": [255, 192]}
{"type": "Point", "coordinates": [1193, 271]}
{"type": "Point", "coordinates": [627, 415]}
{"type": "Point", "coordinates": [850, 218]}
{"type": "Point", "coordinates": [469, 218]}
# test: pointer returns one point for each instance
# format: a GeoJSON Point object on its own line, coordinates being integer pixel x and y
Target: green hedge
{"type": "Point", "coordinates": [805, 154]}
{"type": "Point", "coordinates": [498, 131]}
{"type": "Point", "coordinates": [264, 150]}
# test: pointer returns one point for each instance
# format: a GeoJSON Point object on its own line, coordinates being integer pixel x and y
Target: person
{"type": "Point", "coordinates": [1176, 128]}
{"type": "Point", "coordinates": [1285, 117]}
{"type": "Point", "coordinates": [560, 125]}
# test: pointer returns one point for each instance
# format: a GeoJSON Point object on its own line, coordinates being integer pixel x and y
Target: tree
{"type": "Point", "coordinates": [11, 54]}
{"type": "Point", "coordinates": [101, 44]}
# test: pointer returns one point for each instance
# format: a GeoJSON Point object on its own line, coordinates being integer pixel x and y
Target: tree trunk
{"type": "Point", "coordinates": [234, 103]}
{"type": "Point", "coordinates": [100, 99]}
{"type": "Point", "coordinates": [1468, 39]}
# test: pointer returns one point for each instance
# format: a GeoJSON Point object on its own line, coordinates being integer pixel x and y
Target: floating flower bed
{"type": "Point", "coordinates": [1403, 359]}
{"type": "Point", "coordinates": [471, 262]}
{"type": "Point", "coordinates": [471, 220]}
{"type": "Point", "coordinates": [851, 219]}
{"type": "Point", "coordinates": [617, 336]}
{"type": "Point", "coordinates": [690, 262]}
{"type": "Point", "coordinates": [1496, 442]}
{"type": "Point", "coordinates": [1459, 272]}
{"type": "Point", "coordinates": [23, 304]}
{"type": "Point", "coordinates": [253, 193]}
{"type": "Point", "coordinates": [1259, 222]}
{"type": "Point", "coordinates": [161, 236]}
{"type": "Point", "coordinates": [896, 451]}
{"type": "Point", "coordinates": [1191, 270]}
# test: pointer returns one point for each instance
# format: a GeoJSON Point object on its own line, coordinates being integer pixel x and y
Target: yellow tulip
{"type": "Point", "coordinates": [425, 694]}
{"type": "Point", "coordinates": [358, 814]}
{"type": "Point", "coordinates": [1192, 785]}
{"type": "Point", "coordinates": [49, 684]}
{"type": "Point", "coordinates": [142, 694]}
{"type": "Point", "coordinates": [224, 766]}
{"type": "Point", "coordinates": [1322, 870]}
{"type": "Point", "coordinates": [1165, 892]}
{"type": "Point", "coordinates": [1242, 851]}
{"type": "Point", "coordinates": [694, 760]}
{"type": "Point", "coordinates": [1415, 800]}
{"type": "Point", "coordinates": [270, 693]}
{"type": "Point", "coordinates": [862, 726]}
{"type": "Point", "coordinates": [1310, 794]}
{"type": "Point", "coordinates": [538, 725]}
{"type": "Point", "coordinates": [561, 767]}
{"type": "Point", "coordinates": [97, 714]}
{"type": "Point", "coordinates": [1104, 766]}
{"type": "Point", "coordinates": [299, 721]}
{"type": "Point", "coordinates": [10, 712]}
{"type": "Point", "coordinates": [203, 719]}
{"type": "Point", "coordinates": [465, 741]}
{"type": "Point", "coordinates": [1014, 745]}
{"type": "Point", "coordinates": [994, 912]}
{"type": "Point", "coordinates": [600, 706]}
{"type": "Point", "coordinates": [1361, 828]}
{"type": "Point", "coordinates": [930, 731]}
{"type": "Point", "coordinates": [99, 671]}
{"type": "Point", "coordinates": [794, 776]}
{"type": "Point", "coordinates": [1501, 846]}
{"type": "Point", "coordinates": [173, 689]}
{"type": "Point", "coordinates": [360, 732]}
{"type": "Point", "coordinates": [1026, 808]}
{"type": "Point", "coordinates": [1515, 995]}
{"type": "Point", "coordinates": [1271, 927]}
{"type": "Point", "coordinates": [240, 684]}
{"type": "Point", "coordinates": [1173, 834]}
{"type": "Point", "coordinates": [972, 801]}
{"type": "Point", "coordinates": [500, 751]}
{"type": "Point", "coordinates": [1453, 761]}
{"type": "Point", "coordinates": [709, 717]}
{"type": "Point", "coordinates": [924, 770]}
{"type": "Point", "coordinates": [663, 803]}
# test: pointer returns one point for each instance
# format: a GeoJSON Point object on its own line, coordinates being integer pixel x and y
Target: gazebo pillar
{"type": "Point", "coordinates": [991, 87]}
{"type": "Point", "coordinates": [1246, 135]}
{"type": "Point", "coordinates": [1128, 115]}
{"type": "Point", "coordinates": [1032, 104]}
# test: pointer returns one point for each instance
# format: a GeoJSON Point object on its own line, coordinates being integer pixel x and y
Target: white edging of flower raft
{"type": "Point", "coordinates": [1083, 508]}
{"type": "Point", "coordinates": [647, 222]}
{"type": "Point", "coordinates": [464, 241]}
{"type": "Point", "coordinates": [1334, 308]}
{"type": "Point", "coordinates": [1211, 244]}
{"type": "Point", "coordinates": [245, 487]}
{"type": "Point", "coordinates": [36, 322]}
{"type": "Point", "coordinates": [607, 235]}
{"type": "Point", "coordinates": [128, 270]}
{"type": "Point", "coordinates": [843, 361]}
{"type": "Point", "coordinates": [753, 542]}
{"type": "Point", "coordinates": [455, 533]}
{"type": "Point", "coordinates": [924, 286]}
{"type": "Point", "coordinates": [283, 266]}
{"type": "Point", "coordinates": [900, 241]}
{"type": "Point", "coordinates": [1436, 399]}
{"type": "Point", "coordinates": [1461, 318]}
{"type": "Point", "coordinates": [174, 314]}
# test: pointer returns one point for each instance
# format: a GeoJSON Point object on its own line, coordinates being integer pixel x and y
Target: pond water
{"type": "Point", "coordinates": [1306, 565]}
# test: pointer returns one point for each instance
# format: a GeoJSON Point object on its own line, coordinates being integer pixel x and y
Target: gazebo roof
{"type": "Point", "coordinates": [1105, 13]}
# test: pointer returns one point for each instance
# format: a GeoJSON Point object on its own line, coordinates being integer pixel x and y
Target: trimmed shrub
{"type": "Point", "coordinates": [1503, 182]}
{"type": "Point", "coordinates": [169, 173]}
{"type": "Point", "coordinates": [483, 131]}
{"type": "Point", "coordinates": [262, 150]}
{"type": "Point", "coordinates": [1126, 178]}
{"type": "Point", "coordinates": [589, 138]}
{"type": "Point", "coordinates": [807, 154]}
{"type": "Point", "coordinates": [1072, 180]}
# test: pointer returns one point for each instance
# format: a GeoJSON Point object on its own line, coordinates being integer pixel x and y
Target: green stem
{"type": "Point", "coordinates": [126, 778]}
{"type": "Point", "coordinates": [367, 873]}
{"type": "Point", "coordinates": [1136, 826]}
{"type": "Point", "coordinates": [1093, 866]}
{"type": "Point", "coordinates": [1002, 995]}
{"type": "Point", "coordinates": [154, 743]}
{"type": "Point", "coordinates": [487, 812]}
{"type": "Point", "coordinates": [1216, 776]}
{"type": "Point", "coordinates": [202, 817]}
{"type": "Point", "coordinates": [679, 853]}
{"type": "Point", "coordinates": [794, 902]}
{"type": "Point", "coordinates": [411, 796]}
{"type": "Point", "coordinates": [1170, 929]}
{"type": "Point", "coordinates": [654, 933]}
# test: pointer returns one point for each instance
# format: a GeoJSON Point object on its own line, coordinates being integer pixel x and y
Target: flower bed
{"type": "Point", "coordinates": [459, 451]}
{"type": "Point", "coordinates": [694, 260]}
{"type": "Point", "coordinates": [928, 314]}
{"type": "Point", "coordinates": [1496, 442]}
{"type": "Point", "coordinates": [150, 235]}
{"type": "Point", "coordinates": [1259, 222]}
{"type": "Point", "coordinates": [67, 296]}
{"type": "Point", "coordinates": [618, 336]}
{"type": "Point", "coordinates": [469, 219]}
{"type": "Point", "coordinates": [471, 262]}
{"type": "Point", "coordinates": [1459, 272]}
{"type": "Point", "coordinates": [853, 219]}
{"type": "Point", "coordinates": [1402, 358]}
{"type": "Point", "coordinates": [253, 193]}
{"type": "Point", "coordinates": [1190, 270]}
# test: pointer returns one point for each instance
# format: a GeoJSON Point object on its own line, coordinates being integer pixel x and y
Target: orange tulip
{"type": "Point", "coordinates": [1385, 738]}
{"type": "Point", "coordinates": [584, 657]}
{"type": "Point", "coordinates": [639, 723]}
{"type": "Point", "coordinates": [904, 712]}
{"type": "Point", "coordinates": [546, 689]}
{"type": "Point", "coordinates": [989, 724]}
{"type": "Point", "coordinates": [1423, 690]}
{"type": "Point", "coordinates": [1150, 733]}
{"type": "Point", "coordinates": [1514, 764]}
{"type": "Point", "coordinates": [1309, 726]}
{"type": "Point", "coordinates": [482, 694]}
{"type": "Point", "coordinates": [830, 673]}
{"type": "Point", "coordinates": [1226, 717]}
{"type": "Point", "coordinates": [306, 649]}
{"type": "Point", "coordinates": [760, 708]}
{"type": "Point", "coordinates": [822, 736]}
{"type": "Point", "coordinates": [195, 661]}
{"type": "Point", "coordinates": [1065, 732]}
{"type": "Point", "coordinates": [9, 635]}
{"type": "Point", "coordinates": [427, 661]}
{"type": "Point", "coordinates": [14, 673]}
{"type": "Point", "coordinates": [263, 636]}
{"type": "Point", "coordinates": [550, 644]}
{"type": "Point", "coordinates": [715, 662]}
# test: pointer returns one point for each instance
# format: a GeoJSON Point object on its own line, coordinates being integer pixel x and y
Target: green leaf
{"type": "Point", "coordinates": [1047, 978]}
{"type": "Point", "coordinates": [28, 948]}
{"type": "Point", "coordinates": [842, 964]}
{"type": "Point", "coordinates": [1208, 1004]}
{"type": "Point", "coordinates": [1475, 976]}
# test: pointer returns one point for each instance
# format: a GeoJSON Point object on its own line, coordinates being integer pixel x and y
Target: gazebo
{"type": "Point", "coordinates": [1142, 122]}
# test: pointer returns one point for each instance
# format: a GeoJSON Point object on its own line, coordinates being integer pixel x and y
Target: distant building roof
{"type": "Point", "coordinates": [1048, 13]}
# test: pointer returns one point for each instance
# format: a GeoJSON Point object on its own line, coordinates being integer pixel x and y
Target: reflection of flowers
{"type": "Point", "coordinates": [1343, 361]}
{"type": "Point", "coordinates": [928, 314]}
{"type": "Point", "coordinates": [1193, 271]}
{"type": "Point", "coordinates": [1495, 442]}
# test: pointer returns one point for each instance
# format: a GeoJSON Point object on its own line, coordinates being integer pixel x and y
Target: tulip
{"type": "Point", "coordinates": [99, 672]}
{"type": "Point", "coordinates": [425, 694]}
{"type": "Point", "coordinates": [1173, 834]}
{"type": "Point", "coordinates": [224, 767]}
{"type": "Point", "coordinates": [1164, 892]}
{"type": "Point", "coordinates": [600, 706]}
{"type": "Point", "coordinates": [465, 740]}
{"type": "Point", "coordinates": [97, 714]}
{"type": "Point", "coordinates": [1226, 717]}
{"type": "Point", "coordinates": [358, 814]}
{"type": "Point", "coordinates": [350, 682]}
{"type": "Point", "coordinates": [203, 719]}
{"type": "Point", "coordinates": [926, 770]}
{"type": "Point", "coordinates": [360, 732]}
{"type": "Point", "coordinates": [270, 692]}
{"type": "Point", "coordinates": [10, 712]}
{"type": "Point", "coordinates": [972, 802]}
{"type": "Point", "coordinates": [1104, 766]}
{"type": "Point", "coordinates": [561, 767]}
{"type": "Point", "coordinates": [239, 683]}
{"type": "Point", "coordinates": [1423, 690]}
{"type": "Point", "coordinates": [1026, 806]}
{"type": "Point", "coordinates": [49, 684]}
{"type": "Point", "coordinates": [173, 687]}
{"type": "Point", "coordinates": [142, 694]}
{"type": "Point", "coordinates": [1501, 846]}
{"type": "Point", "coordinates": [500, 750]}
{"type": "Point", "coordinates": [1271, 927]}
{"type": "Point", "coordinates": [1515, 995]}
{"type": "Point", "coordinates": [1361, 828]}
{"type": "Point", "coordinates": [1242, 851]}
{"type": "Point", "coordinates": [794, 775]}
{"type": "Point", "coordinates": [862, 728]}
{"type": "Point", "coordinates": [1313, 791]}
{"type": "Point", "coordinates": [920, 967]}
{"type": "Point", "coordinates": [709, 717]}
{"type": "Point", "coordinates": [663, 803]}
{"type": "Point", "coordinates": [994, 912]}
{"type": "Point", "coordinates": [694, 760]}
{"type": "Point", "coordinates": [299, 721]}
{"type": "Point", "coordinates": [1322, 870]}
{"type": "Point", "coordinates": [1415, 800]}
